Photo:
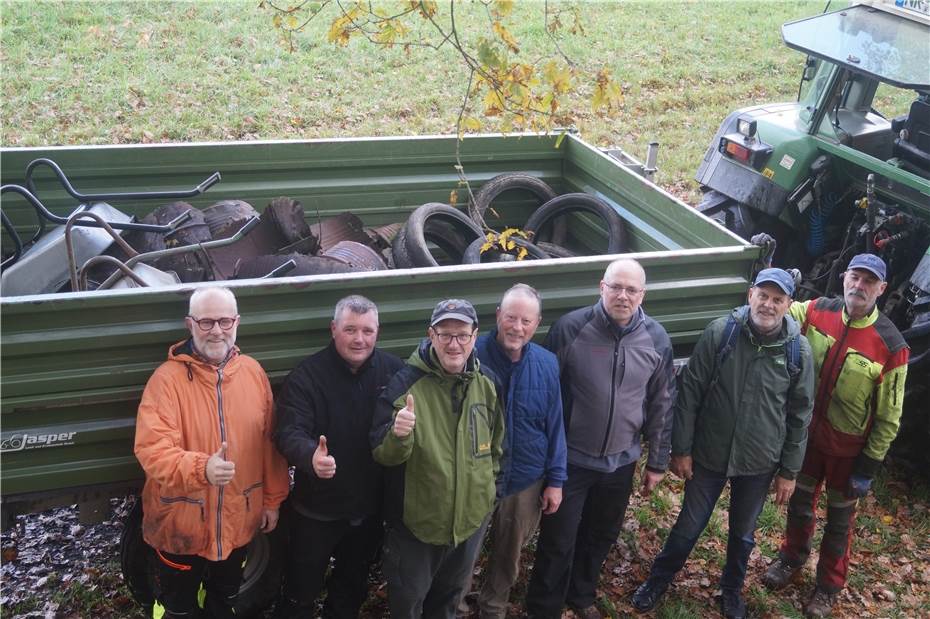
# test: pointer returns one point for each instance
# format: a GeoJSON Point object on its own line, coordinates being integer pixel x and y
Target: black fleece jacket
{"type": "Point", "coordinates": [322, 396]}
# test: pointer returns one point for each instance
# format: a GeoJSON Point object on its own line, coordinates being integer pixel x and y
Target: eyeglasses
{"type": "Point", "coordinates": [206, 324]}
{"type": "Point", "coordinates": [629, 290]}
{"type": "Point", "coordinates": [461, 338]}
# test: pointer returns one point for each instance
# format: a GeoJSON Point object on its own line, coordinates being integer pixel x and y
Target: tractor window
{"type": "Point", "coordinates": [892, 102]}
{"type": "Point", "coordinates": [812, 90]}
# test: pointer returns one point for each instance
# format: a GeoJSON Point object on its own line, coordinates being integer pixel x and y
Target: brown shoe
{"type": "Point", "coordinates": [779, 574]}
{"type": "Point", "coordinates": [820, 604]}
{"type": "Point", "coordinates": [591, 612]}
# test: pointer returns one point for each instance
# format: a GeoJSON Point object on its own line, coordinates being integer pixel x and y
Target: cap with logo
{"type": "Point", "coordinates": [454, 309]}
{"type": "Point", "coordinates": [779, 277]}
{"type": "Point", "coordinates": [871, 263]}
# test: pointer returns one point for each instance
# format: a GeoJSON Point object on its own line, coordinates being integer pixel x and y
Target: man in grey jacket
{"type": "Point", "coordinates": [741, 416]}
{"type": "Point", "coordinates": [618, 384]}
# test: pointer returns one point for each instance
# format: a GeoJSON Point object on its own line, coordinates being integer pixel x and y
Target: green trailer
{"type": "Point", "coordinates": [74, 364]}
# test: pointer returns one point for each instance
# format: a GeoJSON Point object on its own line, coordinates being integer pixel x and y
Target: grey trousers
{"type": "Point", "coordinates": [426, 580]}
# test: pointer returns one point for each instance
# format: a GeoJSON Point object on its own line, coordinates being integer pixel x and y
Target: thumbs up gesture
{"type": "Point", "coordinates": [324, 465]}
{"type": "Point", "coordinates": [405, 419]}
{"type": "Point", "coordinates": [219, 470]}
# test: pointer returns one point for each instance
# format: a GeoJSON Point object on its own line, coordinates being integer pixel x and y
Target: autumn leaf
{"type": "Point", "coordinates": [505, 36]}
{"type": "Point", "coordinates": [471, 123]}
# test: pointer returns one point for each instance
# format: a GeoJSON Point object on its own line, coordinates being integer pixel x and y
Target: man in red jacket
{"type": "Point", "coordinates": [212, 477]}
{"type": "Point", "coordinates": [861, 366]}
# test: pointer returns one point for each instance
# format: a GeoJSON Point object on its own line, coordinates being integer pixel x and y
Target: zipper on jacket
{"type": "Point", "coordinates": [613, 394]}
{"type": "Point", "coordinates": [246, 493]}
{"type": "Point", "coordinates": [185, 499]}
{"type": "Point", "coordinates": [827, 383]}
{"type": "Point", "coordinates": [219, 499]}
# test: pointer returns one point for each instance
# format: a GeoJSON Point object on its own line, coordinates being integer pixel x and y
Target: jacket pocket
{"type": "Point", "coordinates": [248, 491]}
{"type": "Point", "coordinates": [479, 426]}
{"type": "Point", "coordinates": [183, 521]}
{"type": "Point", "coordinates": [852, 394]}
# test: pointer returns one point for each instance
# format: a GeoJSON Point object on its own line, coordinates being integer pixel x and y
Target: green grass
{"type": "Point", "coordinates": [117, 72]}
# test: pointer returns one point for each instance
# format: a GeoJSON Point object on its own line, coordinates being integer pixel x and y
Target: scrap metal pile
{"type": "Point", "coordinates": [99, 247]}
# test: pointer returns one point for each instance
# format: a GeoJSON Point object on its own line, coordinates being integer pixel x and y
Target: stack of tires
{"type": "Point", "coordinates": [458, 238]}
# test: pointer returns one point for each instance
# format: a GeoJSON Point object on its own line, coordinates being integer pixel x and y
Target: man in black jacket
{"type": "Point", "coordinates": [324, 415]}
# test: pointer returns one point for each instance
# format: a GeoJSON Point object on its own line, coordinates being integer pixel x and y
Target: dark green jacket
{"type": "Point", "coordinates": [756, 417]}
{"type": "Point", "coordinates": [441, 477]}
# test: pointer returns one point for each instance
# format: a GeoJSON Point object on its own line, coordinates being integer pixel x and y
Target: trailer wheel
{"type": "Point", "coordinates": [448, 227]}
{"type": "Point", "coordinates": [572, 202]}
{"type": "Point", "coordinates": [261, 578]}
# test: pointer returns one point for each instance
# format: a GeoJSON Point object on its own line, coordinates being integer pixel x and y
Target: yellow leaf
{"type": "Point", "coordinates": [502, 8]}
{"type": "Point", "coordinates": [276, 20]}
{"type": "Point", "coordinates": [522, 253]}
{"type": "Point", "coordinates": [505, 36]}
{"type": "Point", "coordinates": [511, 245]}
{"type": "Point", "coordinates": [453, 197]}
{"type": "Point", "coordinates": [471, 123]}
{"type": "Point", "coordinates": [558, 141]}
{"type": "Point", "coordinates": [292, 21]}
{"type": "Point", "coordinates": [887, 519]}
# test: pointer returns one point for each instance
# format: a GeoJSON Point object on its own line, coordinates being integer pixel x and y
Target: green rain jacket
{"type": "Point", "coordinates": [755, 418]}
{"type": "Point", "coordinates": [441, 477]}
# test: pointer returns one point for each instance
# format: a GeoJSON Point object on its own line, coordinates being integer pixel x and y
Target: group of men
{"type": "Point", "coordinates": [418, 459]}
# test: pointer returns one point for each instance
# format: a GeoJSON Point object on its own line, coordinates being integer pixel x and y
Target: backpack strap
{"type": "Point", "coordinates": [724, 348]}
{"type": "Point", "coordinates": [793, 357]}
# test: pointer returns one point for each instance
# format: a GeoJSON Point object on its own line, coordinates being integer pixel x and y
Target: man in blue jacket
{"type": "Point", "coordinates": [530, 482]}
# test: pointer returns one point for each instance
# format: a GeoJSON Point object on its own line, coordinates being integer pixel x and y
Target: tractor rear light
{"type": "Point", "coordinates": [737, 151]}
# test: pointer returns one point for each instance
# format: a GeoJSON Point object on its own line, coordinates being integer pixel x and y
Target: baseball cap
{"type": "Point", "coordinates": [454, 309]}
{"type": "Point", "coordinates": [779, 277]}
{"type": "Point", "coordinates": [869, 262]}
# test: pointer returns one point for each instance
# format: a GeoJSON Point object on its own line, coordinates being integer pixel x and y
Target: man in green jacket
{"type": "Point", "coordinates": [438, 426]}
{"type": "Point", "coordinates": [741, 416]}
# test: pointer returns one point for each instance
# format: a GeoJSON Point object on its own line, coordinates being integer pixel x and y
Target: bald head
{"type": "Point", "coordinates": [623, 289]}
{"type": "Point", "coordinates": [212, 294]}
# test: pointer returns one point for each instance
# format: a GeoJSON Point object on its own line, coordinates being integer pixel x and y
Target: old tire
{"type": "Point", "coordinates": [449, 228]}
{"type": "Point", "coordinates": [473, 253]}
{"type": "Point", "coordinates": [514, 181]}
{"type": "Point", "coordinates": [261, 578]}
{"type": "Point", "coordinates": [556, 251]}
{"type": "Point", "coordinates": [399, 250]}
{"type": "Point", "coordinates": [548, 213]}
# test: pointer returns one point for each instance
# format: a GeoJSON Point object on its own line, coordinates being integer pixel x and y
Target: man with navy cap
{"type": "Point", "coordinates": [861, 363]}
{"type": "Point", "coordinates": [438, 427]}
{"type": "Point", "coordinates": [741, 417]}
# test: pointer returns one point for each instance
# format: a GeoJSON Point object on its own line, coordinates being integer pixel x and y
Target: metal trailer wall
{"type": "Point", "coordinates": [73, 365]}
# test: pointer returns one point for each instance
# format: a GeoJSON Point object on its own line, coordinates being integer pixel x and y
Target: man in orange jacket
{"type": "Point", "coordinates": [212, 476]}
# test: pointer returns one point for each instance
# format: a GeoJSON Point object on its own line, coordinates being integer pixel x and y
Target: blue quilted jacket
{"type": "Point", "coordinates": [534, 444]}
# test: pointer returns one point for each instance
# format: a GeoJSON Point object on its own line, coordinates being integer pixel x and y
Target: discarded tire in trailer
{"type": "Point", "coordinates": [567, 203]}
{"type": "Point", "coordinates": [473, 253]}
{"type": "Point", "coordinates": [516, 181]}
{"type": "Point", "coordinates": [449, 228]}
{"type": "Point", "coordinates": [555, 251]}
{"type": "Point", "coordinates": [261, 576]}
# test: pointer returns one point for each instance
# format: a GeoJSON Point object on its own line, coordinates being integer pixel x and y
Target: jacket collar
{"type": "Point", "coordinates": [499, 355]}
{"type": "Point", "coordinates": [789, 328]}
{"type": "Point", "coordinates": [601, 312]}
{"type": "Point", "coordinates": [861, 323]}
{"type": "Point", "coordinates": [339, 362]}
{"type": "Point", "coordinates": [424, 357]}
{"type": "Point", "coordinates": [185, 352]}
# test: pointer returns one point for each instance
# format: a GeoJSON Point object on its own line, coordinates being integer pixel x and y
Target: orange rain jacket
{"type": "Point", "coordinates": [189, 407]}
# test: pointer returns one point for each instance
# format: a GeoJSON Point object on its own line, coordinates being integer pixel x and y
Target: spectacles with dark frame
{"type": "Point", "coordinates": [460, 338]}
{"type": "Point", "coordinates": [206, 324]}
{"type": "Point", "coordinates": [629, 290]}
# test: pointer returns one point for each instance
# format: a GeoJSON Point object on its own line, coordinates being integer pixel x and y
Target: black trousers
{"type": "Point", "coordinates": [177, 579]}
{"type": "Point", "coordinates": [574, 541]}
{"type": "Point", "coordinates": [313, 543]}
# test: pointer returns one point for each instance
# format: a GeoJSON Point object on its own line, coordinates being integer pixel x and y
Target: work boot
{"type": "Point", "coordinates": [732, 605]}
{"type": "Point", "coordinates": [589, 612]}
{"type": "Point", "coordinates": [779, 574]}
{"type": "Point", "coordinates": [820, 604]}
{"type": "Point", "coordinates": [648, 594]}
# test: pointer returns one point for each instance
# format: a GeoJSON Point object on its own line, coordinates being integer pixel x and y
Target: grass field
{"type": "Point", "coordinates": [123, 72]}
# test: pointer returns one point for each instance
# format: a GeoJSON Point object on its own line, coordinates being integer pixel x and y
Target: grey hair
{"type": "Point", "coordinates": [212, 291]}
{"type": "Point", "coordinates": [355, 303]}
{"type": "Point", "coordinates": [524, 290]}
